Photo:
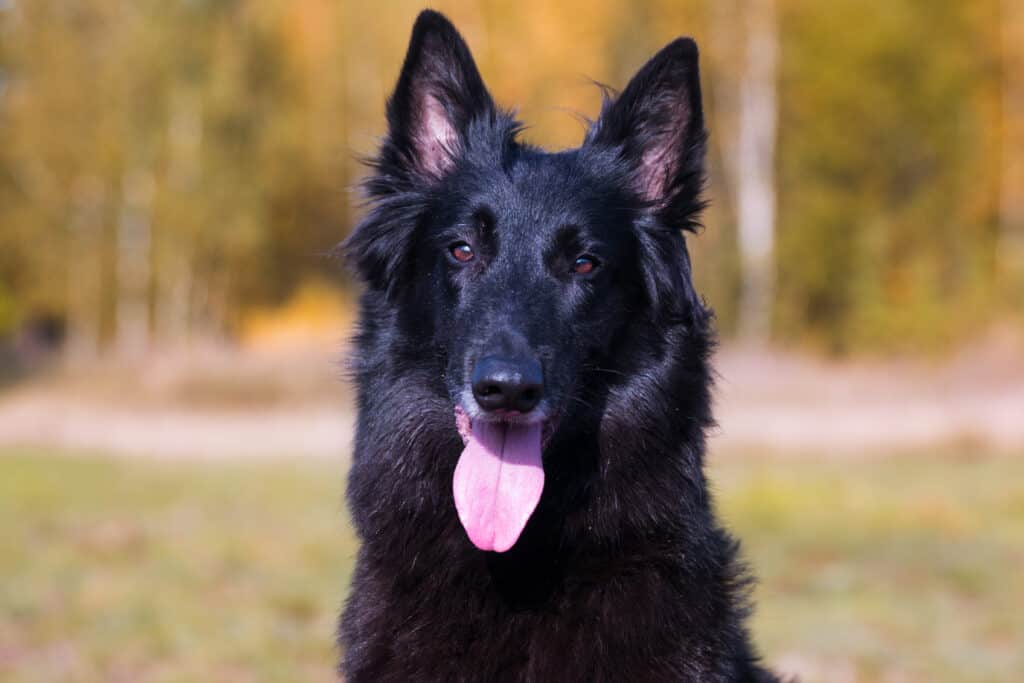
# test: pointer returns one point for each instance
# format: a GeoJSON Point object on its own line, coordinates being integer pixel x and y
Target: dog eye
{"type": "Point", "coordinates": [584, 265]}
{"type": "Point", "coordinates": [461, 252]}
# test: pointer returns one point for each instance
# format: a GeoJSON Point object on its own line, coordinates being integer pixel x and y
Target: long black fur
{"type": "Point", "coordinates": [622, 573]}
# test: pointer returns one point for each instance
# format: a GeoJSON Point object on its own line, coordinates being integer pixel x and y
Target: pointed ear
{"type": "Point", "coordinates": [439, 93]}
{"type": "Point", "coordinates": [656, 126]}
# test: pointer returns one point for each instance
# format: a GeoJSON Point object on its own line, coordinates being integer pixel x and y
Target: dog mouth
{"type": "Point", "coordinates": [499, 478]}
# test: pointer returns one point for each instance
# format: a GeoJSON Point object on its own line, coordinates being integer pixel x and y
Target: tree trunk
{"type": "Point", "coordinates": [1011, 240]}
{"type": "Point", "coordinates": [172, 323]}
{"type": "Point", "coordinates": [85, 271]}
{"type": "Point", "coordinates": [133, 265]}
{"type": "Point", "coordinates": [755, 172]}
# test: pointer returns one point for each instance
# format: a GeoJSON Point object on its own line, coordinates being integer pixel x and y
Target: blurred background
{"type": "Point", "coordinates": [174, 422]}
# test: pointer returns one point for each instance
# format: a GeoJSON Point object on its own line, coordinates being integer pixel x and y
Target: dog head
{"type": "Point", "coordinates": [515, 275]}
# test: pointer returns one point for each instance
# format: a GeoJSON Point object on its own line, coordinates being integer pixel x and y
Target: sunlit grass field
{"type": "Point", "coordinates": [886, 569]}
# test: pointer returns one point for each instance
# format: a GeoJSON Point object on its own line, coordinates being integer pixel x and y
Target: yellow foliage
{"type": "Point", "coordinates": [317, 316]}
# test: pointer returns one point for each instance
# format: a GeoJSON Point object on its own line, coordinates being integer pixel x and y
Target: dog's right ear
{"type": "Point", "coordinates": [439, 93]}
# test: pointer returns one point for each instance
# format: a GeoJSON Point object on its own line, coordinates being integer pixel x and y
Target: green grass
{"type": "Point", "coordinates": [153, 571]}
{"type": "Point", "coordinates": [905, 569]}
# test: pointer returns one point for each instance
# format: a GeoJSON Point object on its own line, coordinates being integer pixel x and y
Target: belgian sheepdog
{"type": "Point", "coordinates": [533, 393]}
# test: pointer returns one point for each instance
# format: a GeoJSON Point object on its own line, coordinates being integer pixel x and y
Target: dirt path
{"type": "Point", "coordinates": [787, 404]}
{"type": "Point", "coordinates": [765, 402]}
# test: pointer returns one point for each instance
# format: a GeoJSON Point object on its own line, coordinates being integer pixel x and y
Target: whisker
{"type": "Point", "coordinates": [609, 371]}
{"type": "Point", "coordinates": [582, 402]}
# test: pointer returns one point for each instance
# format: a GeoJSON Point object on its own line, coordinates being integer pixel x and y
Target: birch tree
{"type": "Point", "coordinates": [1011, 247]}
{"type": "Point", "coordinates": [755, 171]}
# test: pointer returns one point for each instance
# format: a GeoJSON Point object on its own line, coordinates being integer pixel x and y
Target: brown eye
{"type": "Point", "coordinates": [584, 265]}
{"type": "Point", "coordinates": [461, 252]}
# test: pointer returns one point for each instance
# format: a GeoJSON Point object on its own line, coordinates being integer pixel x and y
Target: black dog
{"type": "Point", "coordinates": [532, 367]}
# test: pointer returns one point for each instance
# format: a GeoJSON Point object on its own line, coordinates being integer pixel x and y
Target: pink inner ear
{"type": "Point", "coordinates": [660, 159]}
{"type": "Point", "coordinates": [435, 137]}
{"type": "Point", "coordinates": [654, 170]}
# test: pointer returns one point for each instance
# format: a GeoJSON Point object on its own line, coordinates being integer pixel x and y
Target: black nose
{"type": "Point", "coordinates": [506, 384]}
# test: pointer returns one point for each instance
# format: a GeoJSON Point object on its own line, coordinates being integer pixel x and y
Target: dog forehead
{"type": "Point", "coordinates": [542, 191]}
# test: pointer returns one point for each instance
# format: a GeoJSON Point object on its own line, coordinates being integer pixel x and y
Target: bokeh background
{"type": "Point", "coordinates": [174, 423]}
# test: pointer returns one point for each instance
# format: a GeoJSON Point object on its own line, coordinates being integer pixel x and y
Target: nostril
{"type": "Point", "coordinates": [490, 394]}
{"type": "Point", "coordinates": [490, 390]}
{"type": "Point", "coordinates": [527, 398]}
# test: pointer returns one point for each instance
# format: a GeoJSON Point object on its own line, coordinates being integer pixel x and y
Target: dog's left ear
{"type": "Point", "coordinates": [438, 96]}
{"type": "Point", "coordinates": [439, 93]}
{"type": "Point", "coordinates": [657, 128]}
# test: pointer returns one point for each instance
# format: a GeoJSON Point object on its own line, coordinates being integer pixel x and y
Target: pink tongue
{"type": "Point", "coordinates": [498, 482]}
